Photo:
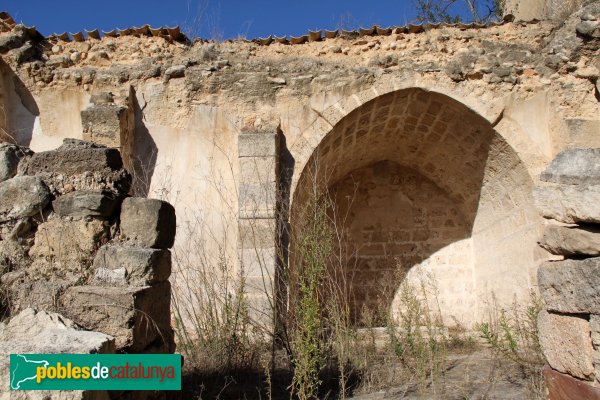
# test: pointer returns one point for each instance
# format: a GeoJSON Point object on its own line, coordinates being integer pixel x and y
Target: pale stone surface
{"type": "Point", "coordinates": [571, 286]}
{"type": "Point", "coordinates": [528, 10]}
{"type": "Point", "coordinates": [104, 124]}
{"type": "Point", "coordinates": [142, 266]}
{"type": "Point", "coordinates": [68, 240]}
{"type": "Point", "coordinates": [22, 196]}
{"type": "Point", "coordinates": [569, 241]}
{"type": "Point", "coordinates": [574, 167]}
{"type": "Point", "coordinates": [148, 222]}
{"type": "Point", "coordinates": [567, 344]}
{"type": "Point", "coordinates": [41, 332]}
{"type": "Point", "coordinates": [569, 203]}
{"type": "Point", "coordinates": [257, 144]}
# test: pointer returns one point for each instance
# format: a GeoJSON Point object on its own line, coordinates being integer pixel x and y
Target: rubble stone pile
{"type": "Point", "coordinates": [83, 267]}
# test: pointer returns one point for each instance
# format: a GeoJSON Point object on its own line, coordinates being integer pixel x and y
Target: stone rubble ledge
{"type": "Point", "coordinates": [42, 332]}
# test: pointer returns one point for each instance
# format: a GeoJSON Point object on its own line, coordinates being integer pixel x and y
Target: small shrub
{"type": "Point", "coordinates": [313, 248]}
{"type": "Point", "coordinates": [512, 333]}
{"type": "Point", "coordinates": [419, 338]}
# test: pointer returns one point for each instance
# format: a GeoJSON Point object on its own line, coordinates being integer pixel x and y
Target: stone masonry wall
{"type": "Point", "coordinates": [446, 100]}
{"type": "Point", "coordinates": [569, 327]}
{"type": "Point", "coordinates": [392, 218]}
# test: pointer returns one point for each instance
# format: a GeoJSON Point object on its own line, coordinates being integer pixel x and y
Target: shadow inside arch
{"type": "Point", "coordinates": [414, 177]}
{"type": "Point", "coordinates": [18, 108]}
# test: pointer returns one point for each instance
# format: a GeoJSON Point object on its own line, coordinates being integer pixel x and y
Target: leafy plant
{"type": "Point", "coordinates": [313, 248]}
{"type": "Point", "coordinates": [512, 333]}
{"type": "Point", "coordinates": [419, 337]}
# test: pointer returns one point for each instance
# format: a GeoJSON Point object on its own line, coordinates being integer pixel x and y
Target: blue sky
{"type": "Point", "coordinates": [211, 18]}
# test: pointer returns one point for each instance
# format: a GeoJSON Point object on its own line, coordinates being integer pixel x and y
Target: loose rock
{"type": "Point", "coordinates": [86, 204]}
{"type": "Point", "coordinates": [148, 222]}
{"type": "Point", "coordinates": [22, 196]}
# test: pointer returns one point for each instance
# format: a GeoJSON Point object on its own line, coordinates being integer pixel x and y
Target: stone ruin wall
{"type": "Point", "coordinates": [84, 268]}
{"type": "Point", "coordinates": [212, 127]}
{"type": "Point", "coordinates": [569, 328]}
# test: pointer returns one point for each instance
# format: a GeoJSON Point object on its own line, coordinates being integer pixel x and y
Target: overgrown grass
{"type": "Point", "coordinates": [316, 350]}
{"type": "Point", "coordinates": [512, 334]}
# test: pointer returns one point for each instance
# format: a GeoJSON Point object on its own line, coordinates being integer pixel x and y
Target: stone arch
{"type": "Point", "coordinates": [437, 190]}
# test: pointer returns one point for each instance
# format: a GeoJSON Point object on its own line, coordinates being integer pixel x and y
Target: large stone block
{"type": "Point", "coordinates": [261, 309]}
{"type": "Point", "coordinates": [86, 204]}
{"type": "Point", "coordinates": [257, 201]}
{"type": "Point", "coordinates": [141, 266]}
{"type": "Point", "coordinates": [30, 323]}
{"type": "Point", "coordinates": [74, 157]}
{"type": "Point", "coordinates": [256, 233]}
{"type": "Point", "coordinates": [567, 344]}
{"type": "Point", "coordinates": [571, 286]}
{"type": "Point", "coordinates": [565, 387]}
{"type": "Point", "coordinates": [79, 165]}
{"type": "Point", "coordinates": [148, 222]}
{"type": "Point", "coordinates": [258, 187]}
{"type": "Point", "coordinates": [574, 167]}
{"type": "Point", "coordinates": [583, 132]}
{"type": "Point", "coordinates": [40, 332]}
{"type": "Point", "coordinates": [8, 162]}
{"type": "Point", "coordinates": [258, 170]}
{"type": "Point", "coordinates": [104, 123]}
{"type": "Point", "coordinates": [595, 328]}
{"type": "Point", "coordinates": [138, 317]}
{"type": "Point", "coordinates": [257, 145]}
{"type": "Point", "coordinates": [258, 262]}
{"type": "Point", "coordinates": [22, 196]}
{"type": "Point", "coordinates": [568, 203]}
{"type": "Point", "coordinates": [562, 240]}
{"type": "Point", "coordinates": [68, 240]}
